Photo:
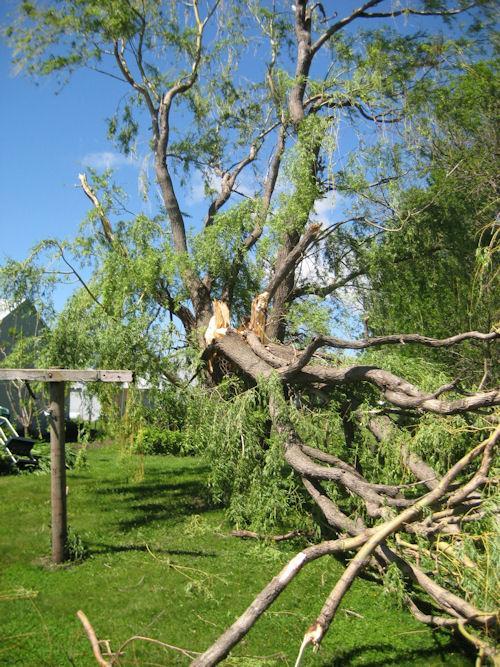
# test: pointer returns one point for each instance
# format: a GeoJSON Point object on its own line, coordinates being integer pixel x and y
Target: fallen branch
{"type": "Point", "coordinates": [382, 532]}
{"type": "Point", "coordinates": [94, 642]}
{"type": "Point", "coordinates": [249, 534]}
{"type": "Point", "coordinates": [393, 339]}
{"type": "Point", "coordinates": [235, 633]}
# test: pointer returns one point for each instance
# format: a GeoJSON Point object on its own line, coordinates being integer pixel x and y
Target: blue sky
{"type": "Point", "coordinates": [44, 138]}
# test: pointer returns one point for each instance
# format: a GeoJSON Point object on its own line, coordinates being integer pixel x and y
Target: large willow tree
{"type": "Point", "coordinates": [281, 109]}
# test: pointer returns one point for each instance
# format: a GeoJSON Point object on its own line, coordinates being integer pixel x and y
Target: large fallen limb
{"type": "Point", "coordinates": [382, 532]}
{"type": "Point", "coordinates": [396, 390]}
{"type": "Point", "coordinates": [382, 428]}
{"type": "Point", "coordinates": [393, 339]}
{"type": "Point", "coordinates": [223, 645]}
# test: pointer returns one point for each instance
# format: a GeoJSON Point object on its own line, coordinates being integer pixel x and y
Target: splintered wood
{"type": "Point", "coordinates": [259, 315]}
{"type": "Point", "coordinates": [219, 322]}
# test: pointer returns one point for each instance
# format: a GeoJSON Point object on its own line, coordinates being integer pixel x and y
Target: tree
{"type": "Point", "coordinates": [452, 230]}
{"type": "Point", "coordinates": [320, 84]}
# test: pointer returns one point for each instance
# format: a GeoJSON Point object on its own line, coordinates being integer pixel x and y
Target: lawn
{"type": "Point", "coordinates": [160, 563]}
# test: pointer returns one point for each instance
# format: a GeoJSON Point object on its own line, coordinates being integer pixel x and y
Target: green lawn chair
{"type": "Point", "coordinates": [18, 449]}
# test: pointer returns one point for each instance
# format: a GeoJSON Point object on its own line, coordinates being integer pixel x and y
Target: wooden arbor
{"type": "Point", "coordinates": [57, 377]}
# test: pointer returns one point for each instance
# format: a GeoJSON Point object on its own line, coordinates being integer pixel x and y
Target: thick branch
{"type": "Point", "coordinates": [395, 389]}
{"type": "Point", "coordinates": [393, 339]}
{"type": "Point", "coordinates": [221, 648]}
{"type": "Point", "coordinates": [331, 512]}
{"type": "Point", "coordinates": [382, 532]}
{"type": "Point", "coordinates": [292, 259]}
{"type": "Point", "coordinates": [382, 428]}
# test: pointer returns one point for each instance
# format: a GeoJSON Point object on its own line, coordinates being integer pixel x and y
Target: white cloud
{"type": "Point", "coordinates": [107, 160]}
{"type": "Point", "coordinates": [245, 184]}
{"type": "Point", "coordinates": [326, 207]}
{"type": "Point", "coordinates": [197, 186]}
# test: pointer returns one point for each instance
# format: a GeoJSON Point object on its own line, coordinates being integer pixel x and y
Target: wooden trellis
{"type": "Point", "coordinates": [57, 377]}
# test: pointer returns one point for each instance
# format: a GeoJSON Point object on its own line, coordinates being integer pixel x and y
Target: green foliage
{"type": "Point", "coordinates": [219, 243]}
{"type": "Point", "coordinates": [247, 472]}
{"type": "Point", "coordinates": [394, 586]}
{"type": "Point", "coordinates": [75, 548]}
{"type": "Point", "coordinates": [151, 439]}
{"type": "Point", "coordinates": [308, 318]}
{"type": "Point", "coordinates": [303, 185]}
{"type": "Point", "coordinates": [435, 275]}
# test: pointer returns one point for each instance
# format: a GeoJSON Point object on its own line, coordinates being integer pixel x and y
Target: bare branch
{"type": "Point", "coordinates": [342, 24]}
{"type": "Point", "coordinates": [221, 648]}
{"type": "Point", "coordinates": [362, 12]}
{"type": "Point", "coordinates": [382, 532]}
{"type": "Point", "coordinates": [326, 290]}
{"type": "Point", "coordinates": [393, 339]}
{"type": "Point", "coordinates": [105, 223]}
{"type": "Point", "coordinates": [292, 259]}
{"type": "Point", "coordinates": [94, 642]}
{"type": "Point", "coordinates": [417, 12]}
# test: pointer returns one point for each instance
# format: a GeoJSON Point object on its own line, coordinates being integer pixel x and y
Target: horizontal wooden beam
{"type": "Point", "coordinates": [65, 375]}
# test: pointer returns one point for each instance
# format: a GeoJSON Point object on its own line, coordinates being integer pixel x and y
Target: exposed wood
{"type": "Point", "coordinates": [58, 472]}
{"type": "Point", "coordinates": [94, 642]}
{"type": "Point", "coordinates": [65, 375]}
{"type": "Point", "coordinates": [219, 322]}
{"type": "Point", "coordinates": [258, 316]}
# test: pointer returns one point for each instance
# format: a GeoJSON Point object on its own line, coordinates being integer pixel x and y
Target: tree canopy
{"type": "Point", "coordinates": [347, 161]}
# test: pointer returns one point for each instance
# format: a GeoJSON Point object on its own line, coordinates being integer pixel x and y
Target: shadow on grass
{"type": "Point", "coordinates": [149, 503]}
{"type": "Point", "coordinates": [101, 548]}
{"type": "Point", "coordinates": [389, 655]}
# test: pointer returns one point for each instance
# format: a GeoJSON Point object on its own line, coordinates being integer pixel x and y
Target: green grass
{"type": "Point", "coordinates": [160, 564]}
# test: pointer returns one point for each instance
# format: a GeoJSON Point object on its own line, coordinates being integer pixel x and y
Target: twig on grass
{"type": "Point", "coordinates": [187, 652]}
{"type": "Point", "coordinates": [96, 648]}
{"type": "Point", "coordinates": [94, 642]}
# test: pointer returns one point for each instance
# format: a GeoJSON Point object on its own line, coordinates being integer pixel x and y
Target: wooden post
{"type": "Point", "coordinates": [58, 472]}
{"type": "Point", "coordinates": [56, 377]}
